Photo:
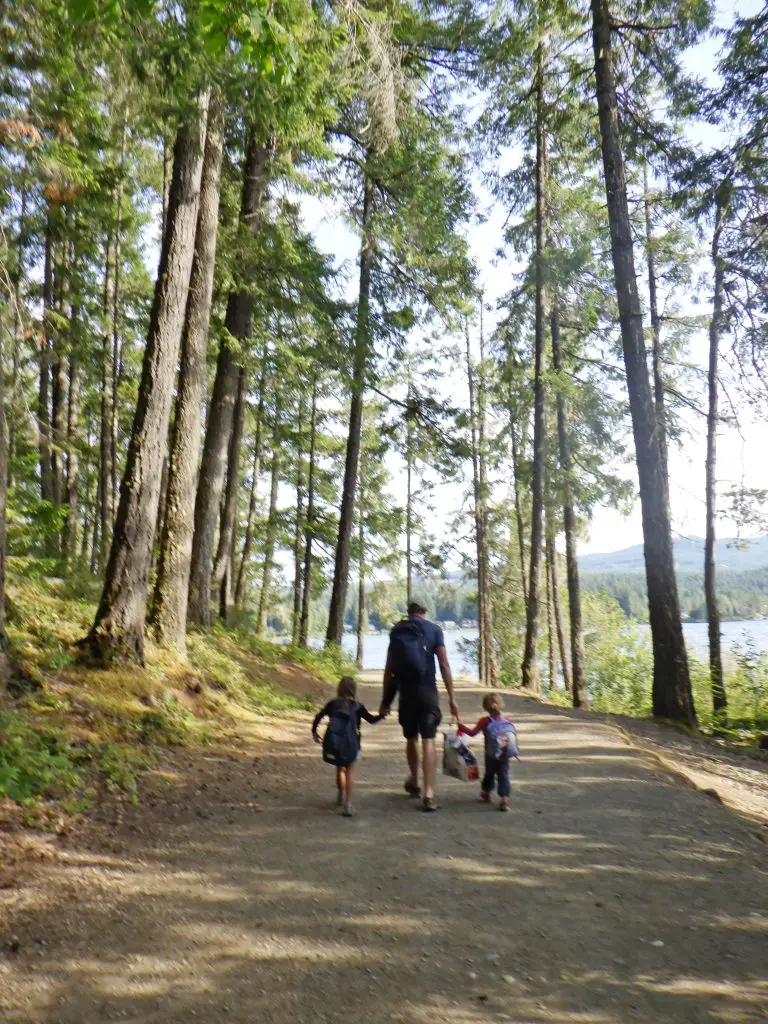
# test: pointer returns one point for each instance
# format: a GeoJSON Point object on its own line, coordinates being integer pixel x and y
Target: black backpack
{"type": "Point", "coordinates": [341, 744]}
{"type": "Point", "coordinates": [408, 650]}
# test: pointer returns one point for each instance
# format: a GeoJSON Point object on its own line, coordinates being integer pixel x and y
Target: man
{"type": "Point", "coordinates": [410, 670]}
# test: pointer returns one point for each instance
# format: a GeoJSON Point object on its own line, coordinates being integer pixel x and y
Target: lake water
{"type": "Point", "coordinates": [734, 634]}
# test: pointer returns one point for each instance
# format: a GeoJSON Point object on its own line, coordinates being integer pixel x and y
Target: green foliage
{"type": "Point", "coordinates": [618, 657]}
{"type": "Point", "coordinates": [34, 763]}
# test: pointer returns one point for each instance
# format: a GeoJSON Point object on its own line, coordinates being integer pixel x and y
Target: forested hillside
{"type": "Point", "coordinates": [211, 423]}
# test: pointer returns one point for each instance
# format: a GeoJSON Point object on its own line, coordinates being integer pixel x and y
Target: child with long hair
{"type": "Point", "coordinates": [341, 743]}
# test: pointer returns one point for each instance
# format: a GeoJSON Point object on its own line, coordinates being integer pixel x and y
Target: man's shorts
{"type": "Point", "coordinates": [419, 714]}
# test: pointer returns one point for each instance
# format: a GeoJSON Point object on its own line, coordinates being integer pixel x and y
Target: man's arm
{"type": "Point", "coordinates": [390, 687]}
{"type": "Point", "coordinates": [445, 672]}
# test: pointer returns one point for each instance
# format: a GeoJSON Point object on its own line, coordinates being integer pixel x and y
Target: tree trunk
{"type": "Point", "coordinates": [551, 657]}
{"type": "Point", "coordinates": [658, 360]}
{"type": "Point", "coordinates": [269, 541]}
{"type": "Point", "coordinates": [306, 596]}
{"type": "Point", "coordinates": [169, 616]}
{"type": "Point", "coordinates": [114, 383]}
{"type": "Point", "coordinates": [43, 401]}
{"type": "Point", "coordinates": [18, 330]}
{"type": "Point", "coordinates": [338, 604]}
{"type": "Point", "coordinates": [518, 508]}
{"type": "Point", "coordinates": [409, 503]}
{"type": "Point", "coordinates": [491, 666]}
{"type": "Point", "coordinates": [221, 410]}
{"type": "Point", "coordinates": [481, 638]}
{"type": "Point", "coordinates": [242, 575]}
{"type": "Point", "coordinates": [106, 497]}
{"type": "Point", "coordinates": [59, 377]}
{"type": "Point", "coordinates": [297, 561]}
{"type": "Point", "coordinates": [556, 606]}
{"type": "Point", "coordinates": [360, 597]}
{"type": "Point", "coordinates": [719, 698]}
{"type": "Point", "coordinates": [672, 696]}
{"type": "Point", "coordinates": [530, 667]}
{"type": "Point", "coordinates": [4, 642]}
{"type": "Point", "coordinates": [118, 629]}
{"type": "Point", "coordinates": [93, 563]}
{"type": "Point", "coordinates": [578, 676]}
{"type": "Point", "coordinates": [69, 545]}
{"type": "Point", "coordinates": [232, 488]}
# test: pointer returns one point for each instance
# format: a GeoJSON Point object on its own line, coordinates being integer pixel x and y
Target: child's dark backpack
{"type": "Point", "coordinates": [340, 743]}
{"type": "Point", "coordinates": [408, 652]}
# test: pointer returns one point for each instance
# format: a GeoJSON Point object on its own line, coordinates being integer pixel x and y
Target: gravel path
{"type": "Point", "coordinates": [612, 893]}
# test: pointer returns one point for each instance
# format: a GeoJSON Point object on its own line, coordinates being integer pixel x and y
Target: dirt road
{"type": "Point", "coordinates": [612, 893]}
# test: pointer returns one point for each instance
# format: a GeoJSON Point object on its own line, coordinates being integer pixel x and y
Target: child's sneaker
{"type": "Point", "coordinates": [504, 804]}
{"type": "Point", "coordinates": [349, 811]}
{"type": "Point", "coordinates": [485, 797]}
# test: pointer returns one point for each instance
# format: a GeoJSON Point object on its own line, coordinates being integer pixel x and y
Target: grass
{"type": "Point", "coordinates": [71, 731]}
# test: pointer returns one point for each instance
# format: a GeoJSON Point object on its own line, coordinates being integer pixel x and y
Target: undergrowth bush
{"type": "Point", "coordinates": [619, 668]}
{"type": "Point", "coordinates": [72, 729]}
{"type": "Point", "coordinates": [34, 763]}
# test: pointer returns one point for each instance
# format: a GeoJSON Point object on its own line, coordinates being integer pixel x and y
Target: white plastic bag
{"type": "Point", "coordinates": [458, 760]}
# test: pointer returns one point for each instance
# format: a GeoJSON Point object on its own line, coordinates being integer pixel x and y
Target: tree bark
{"type": "Point", "coordinates": [43, 401]}
{"type": "Point", "coordinates": [242, 576]}
{"type": "Point", "coordinates": [360, 596]}
{"type": "Point", "coordinates": [106, 497]}
{"type": "Point", "coordinates": [116, 297]}
{"type": "Point", "coordinates": [4, 642]}
{"type": "Point", "coordinates": [481, 619]}
{"type": "Point", "coordinates": [69, 546]}
{"type": "Point", "coordinates": [717, 680]}
{"type": "Point", "coordinates": [557, 607]}
{"type": "Point", "coordinates": [491, 666]}
{"type": "Point", "coordinates": [298, 532]}
{"type": "Point", "coordinates": [169, 617]}
{"type": "Point", "coordinates": [551, 656]}
{"type": "Point", "coordinates": [672, 696]}
{"type": "Point", "coordinates": [118, 630]}
{"type": "Point", "coordinates": [232, 488]}
{"type": "Point", "coordinates": [59, 376]}
{"type": "Point", "coordinates": [306, 596]}
{"type": "Point", "coordinates": [658, 359]}
{"type": "Point", "coordinates": [530, 668]}
{"type": "Point", "coordinates": [271, 534]}
{"type": "Point", "coordinates": [409, 503]}
{"type": "Point", "coordinates": [518, 507]}
{"type": "Point", "coordinates": [221, 410]}
{"type": "Point", "coordinates": [578, 670]}
{"type": "Point", "coordinates": [338, 604]}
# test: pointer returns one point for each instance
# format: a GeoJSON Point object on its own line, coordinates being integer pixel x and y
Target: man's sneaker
{"type": "Point", "coordinates": [412, 788]}
{"type": "Point", "coordinates": [429, 805]}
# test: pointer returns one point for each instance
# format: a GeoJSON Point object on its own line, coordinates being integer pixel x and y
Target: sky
{"type": "Point", "coordinates": [741, 452]}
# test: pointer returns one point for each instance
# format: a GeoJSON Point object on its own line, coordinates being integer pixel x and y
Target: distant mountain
{"type": "Point", "coordinates": [689, 557]}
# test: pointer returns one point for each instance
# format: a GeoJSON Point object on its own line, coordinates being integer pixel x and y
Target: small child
{"type": "Point", "coordinates": [341, 743]}
{"type": "Point", "coordinates": [500, 747]}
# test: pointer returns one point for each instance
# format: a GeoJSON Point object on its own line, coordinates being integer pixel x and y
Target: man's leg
{"type": "Point", "coordinates": [430, 768]}
{"type": "Point", "coordinates": [412, 753]}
